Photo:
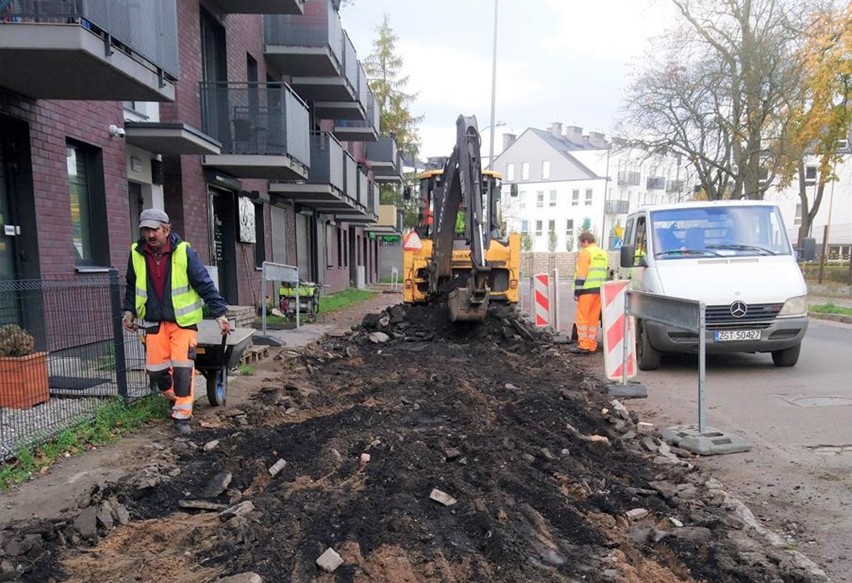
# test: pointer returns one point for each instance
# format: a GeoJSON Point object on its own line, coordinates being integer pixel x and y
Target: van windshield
{"type": "Point", "coordinates": [718, 231]}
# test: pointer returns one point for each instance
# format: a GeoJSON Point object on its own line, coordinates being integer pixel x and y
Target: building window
{"type": "Point", "coordinates": [552, 198]}
{"type": "Point", "coordinates": [525, 171]}
{"type": "Point", "coordinates": [798, 220]}
{"type": "Point", "coordinates": [88, 205]}
{"type": "Point", "coordinates": [569, 228]}
{"type": "Point", "coordinates": [551, 226]}
{"type": "Point", "coordinates": [510, 172]}
{"type": "Point", "coordinates": [545, 170]}
{"type": "Point", "coordinates": [539, 199]}
{"type": "Point", "coordinates": [538, 228]}
{"type": "Point", "coordinates": [810, 174]}
{"type": "Point", "coordinates": [588, 197]}
{"type": "Point", "coordinates": [259, 236]}
{"type": "Point", "coordinates": [525, 226]}
{"type": "Point", "coordinates": [575, 198]}
{"type": "Point", "coordinates": [522, 199]}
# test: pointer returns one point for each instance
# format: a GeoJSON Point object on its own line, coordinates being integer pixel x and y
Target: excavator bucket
{"type": "Point", "coordinates": [465, 306]}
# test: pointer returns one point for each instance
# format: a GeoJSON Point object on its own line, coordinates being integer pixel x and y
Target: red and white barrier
{"type": "Point", "coordinates": [612, 311]}
{"type": "Point", "coordinates": [541, 299]}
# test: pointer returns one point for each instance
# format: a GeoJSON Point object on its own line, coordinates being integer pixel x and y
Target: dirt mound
{"type": "Point", "coordinates": [421, 451]}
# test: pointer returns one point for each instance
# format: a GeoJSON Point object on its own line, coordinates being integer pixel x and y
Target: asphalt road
{"type": "Point", "coordinates": [798, 476]}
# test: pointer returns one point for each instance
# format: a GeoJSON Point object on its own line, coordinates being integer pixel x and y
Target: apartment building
{"type": "Point", "coordinates": [250, 122]}
{"type": "Point", "coordinates": [568, 181]}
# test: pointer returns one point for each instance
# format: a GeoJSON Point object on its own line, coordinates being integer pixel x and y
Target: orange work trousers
{"type": "Point", "coordinates": [170, 361]}
{"type": "Point", "coordinates": [588, 317]}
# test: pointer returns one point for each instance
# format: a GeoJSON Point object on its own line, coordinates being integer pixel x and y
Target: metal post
{"type": "Point", "coordinates": [118, 334]}
{"type": "Point", "coordinates": [298, 303]}
{"type": "Point", "coordinates": [702, 354]}
{"type": "Point", "coordinates": [625, 349]}
{"type": "Point", "coordinates": [263, 300]}
{"type": "Point", "coordinates": [555, 302]}
{"type": "Point", "coordinates": [493, 90]}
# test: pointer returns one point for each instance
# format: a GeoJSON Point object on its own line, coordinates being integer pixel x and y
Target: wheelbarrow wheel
{"type": "Point", "coordinates": [217, 387]}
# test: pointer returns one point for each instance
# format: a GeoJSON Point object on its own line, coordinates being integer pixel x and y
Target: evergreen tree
{"type": "Point", "coordinates": [384, 72]}
{"type": "Point", "coordinates": [384, 67]}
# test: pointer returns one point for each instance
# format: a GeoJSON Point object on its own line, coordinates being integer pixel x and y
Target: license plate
{"type": "Point", "coordinates": [733, 335]}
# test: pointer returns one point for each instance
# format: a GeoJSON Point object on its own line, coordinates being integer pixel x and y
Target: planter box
{"type": "Point", "coordinates": [23, 381]}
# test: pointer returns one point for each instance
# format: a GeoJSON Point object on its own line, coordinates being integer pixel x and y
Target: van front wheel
{"type": "Point", "coordinates": [647, 357]}
{"type": "Point", "coordinates": [786, 357]}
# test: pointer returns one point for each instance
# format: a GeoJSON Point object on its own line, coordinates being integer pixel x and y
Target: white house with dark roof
{"type": "Point", "coordinates": [568, 181]}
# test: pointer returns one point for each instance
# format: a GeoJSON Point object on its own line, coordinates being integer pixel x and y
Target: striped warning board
{"type": "Point", "coordinates": [612, 312]}
{"type": "Point", "coordinates": [541, 299]}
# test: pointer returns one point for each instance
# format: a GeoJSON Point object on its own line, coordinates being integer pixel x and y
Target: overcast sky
{"type": "Point", "coordinates": [557, 60]}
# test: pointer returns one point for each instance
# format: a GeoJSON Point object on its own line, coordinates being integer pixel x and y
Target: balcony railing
{"type": "Point", "coordinates": [257, 119]}
{"type": "Point", "coordinates": [90, 49]}
{"type": "Point", "coordinates": [261, 6]}
{"type": "Point", "coordinates": [675, 186]}
{"type": "Point", "coordinates": [656, 183]}
{"type": "Point", "coordinates": [385, 160]}
{"type": "Point", "coordinates": [629, 178]}
{"type": "Point", "coordinates": [617, 207]}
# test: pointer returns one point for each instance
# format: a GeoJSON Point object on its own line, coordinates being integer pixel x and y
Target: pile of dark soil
{"type": "Point", "coordinates": [539, 477]}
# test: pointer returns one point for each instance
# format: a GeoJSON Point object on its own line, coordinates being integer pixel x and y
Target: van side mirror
{"type": "Point", "coordinates": [513, 190]}
{"type": "Point", "coordinates": [627, 257]}
{"type": "Point", "coordinates": [808, 249]}
{"type": "Point", "coordinates": [406, 193]}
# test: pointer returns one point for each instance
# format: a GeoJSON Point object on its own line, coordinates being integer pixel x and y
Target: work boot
{"type": "Point", "coordinates": [574, 349]}
{"type": "Point", "coordinates": [182, 427]}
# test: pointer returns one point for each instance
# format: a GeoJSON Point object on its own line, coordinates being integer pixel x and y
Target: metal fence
{"type": "Point", "coordinates": [83, 356]}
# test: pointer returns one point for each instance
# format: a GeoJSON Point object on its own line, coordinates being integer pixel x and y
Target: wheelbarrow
{"type": "Point", "coordinates": [215, 354]}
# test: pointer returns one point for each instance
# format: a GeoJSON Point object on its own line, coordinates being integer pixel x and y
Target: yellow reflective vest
{"type": "Point", "coordinates": [186, 302]}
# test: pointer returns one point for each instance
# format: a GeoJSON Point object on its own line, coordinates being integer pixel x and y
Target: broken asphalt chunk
{"type": "Point", "coordinates": [442, 497]}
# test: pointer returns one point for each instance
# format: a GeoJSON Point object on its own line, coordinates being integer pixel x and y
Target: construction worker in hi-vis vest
{"type": "Point", "coordinates": [588, 278]}
{"type": "Point", "coordinates": [167, 286]}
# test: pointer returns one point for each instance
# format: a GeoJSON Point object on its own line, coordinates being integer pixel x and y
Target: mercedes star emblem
{"type": "Point", "coordinates": [739, 309]}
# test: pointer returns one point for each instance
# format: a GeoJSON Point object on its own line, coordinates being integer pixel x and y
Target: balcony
{"type": "Point", "coordinates": [305, 45]}
{"type": "Point", "coordinates": [327, 91]}
{"type": "Point", "coordinates": [263, 129]}
{"type": "Point", "coordinates": [675, 186]}
{"type": "Point", "coordinates": [331, 186]}
{"type": "Point", "coordinates": [93, 50]}
{"type": "Point", "coordinates": [385, 160]}
{"type": "Point", "coordinates": [629, 178]}
{"type": "Point", "coordinates": [655, 183]}
{"type": "Point", "coordinates": [261, 6]}
{"type": "Point", "coordinates": [360, 130]}
{"type": "Point", "coordinates": [367, 200]}
{"type": "Point", "coordinates": [617, 207]}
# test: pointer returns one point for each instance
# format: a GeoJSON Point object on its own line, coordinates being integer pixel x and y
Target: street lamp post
{"type": "Point", "coordinates": [493, 88]}
{"type": "Point", "coordinates": [493, 128]}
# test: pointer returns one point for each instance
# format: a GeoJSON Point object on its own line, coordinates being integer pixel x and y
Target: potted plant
{"type": "Point", "coordinates": [23, 373]}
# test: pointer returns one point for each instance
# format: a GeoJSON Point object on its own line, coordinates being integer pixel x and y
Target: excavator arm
{"type": "Point", "coordinates": [461, 189]}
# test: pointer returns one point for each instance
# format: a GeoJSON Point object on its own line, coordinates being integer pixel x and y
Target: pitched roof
{"type": "Point", "coordinates": [565, 146]}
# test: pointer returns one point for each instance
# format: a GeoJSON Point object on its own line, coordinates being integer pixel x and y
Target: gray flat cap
{"type": "Point", "coordinates": [153, 218]}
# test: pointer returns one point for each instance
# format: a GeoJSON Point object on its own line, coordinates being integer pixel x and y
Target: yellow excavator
{"type": "Point", "coordinates": [458, 252]}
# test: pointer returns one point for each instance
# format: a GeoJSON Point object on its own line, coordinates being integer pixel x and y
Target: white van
{"type": "Point", "coordinates": [736, 258]}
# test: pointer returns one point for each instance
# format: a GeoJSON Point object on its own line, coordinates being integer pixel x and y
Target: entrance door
{"type": "Point", "coordinates": [224, 237]}
{"type": "Point", "coordinates": [9, 308]}
{"type": "Point", "coordinates": [136, 204]}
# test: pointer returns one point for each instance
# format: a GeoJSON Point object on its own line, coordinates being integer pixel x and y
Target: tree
{"type": "Point", "coordinates": [526, 242]}
{"type": "Point", "coordinates": [820, 115]}
{"type": "Point", "coordinates": [552, 241]}
{"type": "Point", "coordinates": [383, 68]}
{"type": "Point", "coordinates": [715, 92]}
